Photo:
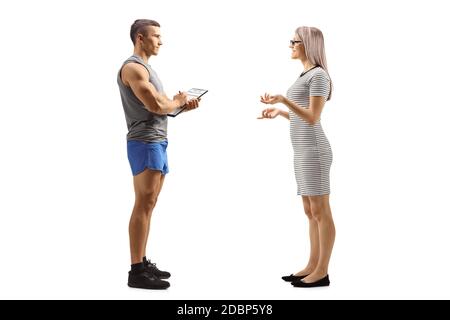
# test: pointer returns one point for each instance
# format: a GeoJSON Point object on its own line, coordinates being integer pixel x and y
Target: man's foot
{"type": "Point", "coordinates": [151, 268]}
{"type": "Point", "coordinates": [146, 280]}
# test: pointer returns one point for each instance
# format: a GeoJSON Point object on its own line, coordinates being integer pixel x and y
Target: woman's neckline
{"type": "Point", "coordinates": [305, 72]}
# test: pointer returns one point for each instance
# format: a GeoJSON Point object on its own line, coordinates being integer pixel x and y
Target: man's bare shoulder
{"type": "Point", "coordinates": [133, 71]}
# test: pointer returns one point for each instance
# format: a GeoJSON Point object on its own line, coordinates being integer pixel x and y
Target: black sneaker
{"type": "Point", "coordinates": [145, 280]}
{"type": "Point", "coordinates": [151, 268]}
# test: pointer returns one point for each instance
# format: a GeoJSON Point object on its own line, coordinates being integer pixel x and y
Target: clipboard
{"type": "Point", "coordinates": [193, 93]}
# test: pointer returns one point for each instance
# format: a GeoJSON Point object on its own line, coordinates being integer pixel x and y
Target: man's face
{"type": "Point", "coordinates": [152, 41]}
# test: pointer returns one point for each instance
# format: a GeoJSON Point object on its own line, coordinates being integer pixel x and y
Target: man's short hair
{"type": "Point", "coordinates": [140, 26]}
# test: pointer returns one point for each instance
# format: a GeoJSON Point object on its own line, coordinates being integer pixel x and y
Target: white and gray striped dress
{"type": "Point", "coordinates": [312, 151]}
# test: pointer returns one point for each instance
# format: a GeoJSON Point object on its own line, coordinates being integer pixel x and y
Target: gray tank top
{"type": "Point", "coordinates": [142, 124]}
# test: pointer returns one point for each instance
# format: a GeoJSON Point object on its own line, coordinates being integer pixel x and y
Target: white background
{"type": "Point", "coordinates": [228, 223]}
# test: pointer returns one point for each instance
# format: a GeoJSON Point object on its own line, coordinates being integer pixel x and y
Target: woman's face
{"type": "Point", "coordinates": [298, 49]}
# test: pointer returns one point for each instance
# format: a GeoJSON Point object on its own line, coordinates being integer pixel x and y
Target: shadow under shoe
{"type": "Point", "coordinates": [145, 280]}
{"type": "Point", "coordinates": [324, 282]}
{"type": "Point", "coordinates": [292, 278]}
{"type": "Point", "coordinates": [151, 268]}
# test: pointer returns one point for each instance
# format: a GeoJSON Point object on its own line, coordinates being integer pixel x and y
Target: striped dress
{"type": "Point", "coordinates": [312, 151]}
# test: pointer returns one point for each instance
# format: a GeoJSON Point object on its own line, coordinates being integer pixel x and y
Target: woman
{"type": "Point", "coordinates": [305, 100]}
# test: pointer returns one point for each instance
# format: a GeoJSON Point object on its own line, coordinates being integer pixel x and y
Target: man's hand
{"type": "Point", "coordinates": [181, 98]}
{"type": "Point", "coordinates": [192, 104]}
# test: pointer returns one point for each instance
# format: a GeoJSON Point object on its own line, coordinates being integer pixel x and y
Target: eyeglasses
{"type": "Point", "coordinates": [293, 42]}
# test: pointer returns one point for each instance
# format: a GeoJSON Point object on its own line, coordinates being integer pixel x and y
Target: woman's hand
{"type": "Point", "coordinates": [270, 113]}
{"type": "Point", "coordinates": [268, 99]}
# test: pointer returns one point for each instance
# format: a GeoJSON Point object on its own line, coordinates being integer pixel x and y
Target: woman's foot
{"type": "Point", "coordinates": [314, 276]}
{"type": "Point", "coordinates": [323, 282]}
{"type": "Point", "coordinates": [305, 272]}
{"type": "Point", "coordinates": [299, 275]}
{"type": "Point", "coordinates": [292, 278]}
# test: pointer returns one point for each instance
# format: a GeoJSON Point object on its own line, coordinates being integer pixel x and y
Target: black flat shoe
{"type": "Point", "coordinates": [293, 278]}
{"type": "Point", "coordinates": [324, 282]}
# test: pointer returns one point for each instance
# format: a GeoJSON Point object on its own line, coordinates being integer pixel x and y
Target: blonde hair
{"type": "Point", "coordinates": [314, 48]}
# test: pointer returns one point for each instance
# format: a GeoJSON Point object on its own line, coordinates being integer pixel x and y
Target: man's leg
{"type": "Point", "coordinates": [161, 182]}
{"type": "Point", "coordinates": [151, 267]}
{"type": "Point", "coordinates": [146, 188]}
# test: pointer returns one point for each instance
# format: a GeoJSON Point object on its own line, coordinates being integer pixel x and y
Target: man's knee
{"type": "Point", "coordinates": [147, 201]}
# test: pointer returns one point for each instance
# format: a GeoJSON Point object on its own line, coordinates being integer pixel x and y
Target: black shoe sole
{"type": "Point", "coordinates": [309, 285]}
{"type": "Point", "coordinates": [324, 282]}
{"type": "Point", "coordinates": [138, 286]}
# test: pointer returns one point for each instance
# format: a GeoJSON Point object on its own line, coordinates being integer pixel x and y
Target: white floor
{"type": "Point", "coordinates": [220, 255]}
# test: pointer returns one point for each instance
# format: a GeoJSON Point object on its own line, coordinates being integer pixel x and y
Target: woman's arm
{"type": "Point", "coordinates": [311, 114]}
{"type": "Point", "coordinates": [284, 114]}
{"type": "Point", "coordinates": [318, 93]}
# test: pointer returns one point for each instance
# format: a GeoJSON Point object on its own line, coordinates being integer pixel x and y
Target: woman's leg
{"type": "Point", "coordinates": [313, 238]}
{"type": "Point", "coordinates": [321, 213]}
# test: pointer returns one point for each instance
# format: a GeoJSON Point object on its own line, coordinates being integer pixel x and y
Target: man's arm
{"type": "Point", "coordinates": [135, 76]}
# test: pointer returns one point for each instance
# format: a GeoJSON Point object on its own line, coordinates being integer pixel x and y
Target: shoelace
{"type": "Point", "coordinates": [151, 265]}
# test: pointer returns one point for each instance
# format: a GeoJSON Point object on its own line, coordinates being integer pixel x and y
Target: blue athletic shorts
{"type": "Point", "coordinates": [151, 155]}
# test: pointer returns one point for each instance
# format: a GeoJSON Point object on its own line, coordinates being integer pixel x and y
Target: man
{"type": "Point", "coordinates": [146, 107]}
